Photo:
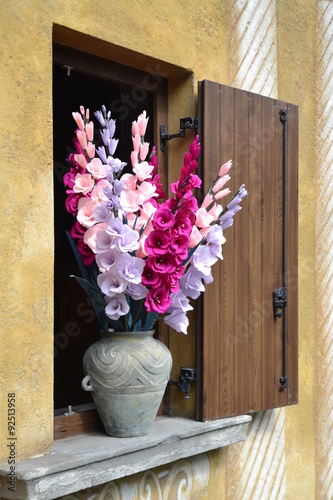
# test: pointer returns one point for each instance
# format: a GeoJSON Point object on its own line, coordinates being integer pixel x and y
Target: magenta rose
{"type": "Point", "coordinates": [77, 231]}
{"type": "Point", "coordinates": [162, 263]}
{"type": "Point", "coordinates": [163, 218]}
{"type": "Point", "coordinates": [150, 277]}
{"type": "Point", "coordinates": [179, 246]}
{"type": "Point", "coordinates": [157, 242]}
{"type": "Point", "coordinates": [72, 203]}
{"type": "Point", "coordinates": [86, 253]}
{"type": "Point", "coordinates": [158, 301]}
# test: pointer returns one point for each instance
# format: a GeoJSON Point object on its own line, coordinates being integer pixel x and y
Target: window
{"type": "Point", "coordinates": [241, 349]}
{"type": "Point", "coordinates": [80, 79]}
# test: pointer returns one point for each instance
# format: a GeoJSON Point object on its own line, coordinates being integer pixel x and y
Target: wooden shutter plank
{"type": "Point", "coordinates": [241, 267]}
{"type": "Point", "coordinates": [268, 253]}
{"type": "Point", "coordinates": [280, 396]}
{"type": "Point", "coordinates": [211, 323]}
{"type": "Point", "coordinates": [292, 253]}
{"type": "Point", "coordinates": [254, 241]}
{"type": "Point", "coordinates": [227, 307]}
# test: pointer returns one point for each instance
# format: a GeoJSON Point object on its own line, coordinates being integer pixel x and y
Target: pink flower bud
{"type": "Point", "coordinates": [144, 148]}
{"type": "Point", "coordinates": [142, 123]}
{"type": "Point", "coordinates": [225, 168]}
{"type": "Point", "coordinates": [222, 194]}
{"type": "Point", "coordinates": [82, 138]}
{"type": "Point", "coordinates": [82, 110]}
{"type": "Point", "coordinates": [91, 150]}
{"type": "Point", "coordinates": [134, 158]}
{"type": "Point", "coordinates": [78, 119]}
{"type": "Point", "coordinates": [90, 131]}
{"type": "Point", "coordinates": [135, 129]}
{"type": "Point", "coordinates": [207, 201]}
{"type": "Point", "coordinates": [220, 183]}
{"type": "Point", "coordinates": [136, 143]}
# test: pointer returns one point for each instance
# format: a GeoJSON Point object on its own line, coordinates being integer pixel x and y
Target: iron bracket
{"type": "Point", "coordinates": [279, 300]}
{"type": "Point", "coordinates": [185, 123]}
{"type": "Point", "coordinates": [186, 377]}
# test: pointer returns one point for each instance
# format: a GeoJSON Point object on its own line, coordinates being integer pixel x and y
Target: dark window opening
{"type": "Point", "coordinates": [75, 325]}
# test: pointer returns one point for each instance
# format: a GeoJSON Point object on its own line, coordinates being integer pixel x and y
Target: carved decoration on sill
{"type": "Point", "coordinates": [182, 480]}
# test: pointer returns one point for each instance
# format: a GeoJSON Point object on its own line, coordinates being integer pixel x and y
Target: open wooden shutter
{"type": "Point", "coordinates": [241, 342]}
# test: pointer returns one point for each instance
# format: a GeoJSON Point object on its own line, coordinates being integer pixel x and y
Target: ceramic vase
{"type": "Point", "coordinates": [127, 374]}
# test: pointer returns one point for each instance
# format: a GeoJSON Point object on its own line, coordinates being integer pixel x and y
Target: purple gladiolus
{"type": "Point", "coordinates": [130, 268]}
{"type": "Point", "coordinates": [106, 260]}
{"type": "Point", "coordinates": [137, 292]}
{"type": "Point", "coordinates": [111, 283]}
{"type": "Point", "coordinates": [177, 320]}
{"type": "Point", "coordinates": [117, 307]}
{"type": "Point", "coordinates": [100, 213]}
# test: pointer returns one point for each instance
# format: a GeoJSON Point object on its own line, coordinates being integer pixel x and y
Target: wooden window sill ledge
{"type": "Point", "coordinates": [92, 459]}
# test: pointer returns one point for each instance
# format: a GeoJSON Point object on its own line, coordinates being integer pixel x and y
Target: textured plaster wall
{"type": "Point", "coordinates": [204, 38]}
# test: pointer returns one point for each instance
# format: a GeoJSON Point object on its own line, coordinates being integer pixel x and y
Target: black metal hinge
{"type": "Point", "coordinates": [186, 377]}
{"type": "Point", "coordinates": [185, 123]}
{"type": "Point", "coordinates": [279, 300]}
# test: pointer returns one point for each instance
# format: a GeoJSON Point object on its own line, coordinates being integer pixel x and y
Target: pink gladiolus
{"type": "Point", "coordinates": [90, 130]}
{"type": "Point", "coordinates": [130, 201]}
{"type": "Point", "coordinates": [90, 237]}
{"type": "Point", "coordinates": [97, 169]}
{"type": "Point", "coordinates": [134, 158]}
{"type": "Point", "coordinates": [97, 194]}
{"type": "Point", "coordinates": [136, 143]}
{"type": "Point", "coordinates": [143, 170]}
{"type": "Point", "coordinates": [207, 201]}
{"type": "Point", "coordinates": [147, 191]}
{"type": "Point", "coordinates": [81, 160]}
{"type": "Point", "coordinates": [82, 138]}
{"type": "Point", "coordinates": [220, 183]}
{"type": "Point", "coordinates": [78, 119]}
{"type": "Point", "coordinates": [135, 129]}
{"type": "Point", "coordinates": [222, 194]}
{"type": "Point", "coordinates": [215, 211]}
{"type": "Point", "coordinates": [195, 237]}
{"type": "Point", "coordinates": [144, 148]}
{"type": "Point", "coordinates": [203, 218]}
{"type": "Point", "coordinates": [91, 150]}
{"type": "Point", "coordinates": [130, 181]}
{"type": "Point", "coordinates": [142, 123]}
{"type": "Point", "coordinates": [225, 168]}
{"type": "Point", "coordinates": [83, 184]}
{"type": "Point", "coordinates": [85, 214]}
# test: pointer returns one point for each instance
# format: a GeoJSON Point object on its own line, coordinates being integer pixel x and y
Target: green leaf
{"type": "Point", "coordinates": [150, 320]}
{"type": "Point", "coordinates": [97, 300]}
{"type": "Point", "coordinates": [78, 257]}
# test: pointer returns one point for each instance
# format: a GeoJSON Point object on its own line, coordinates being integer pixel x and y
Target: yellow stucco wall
{"type": "Point", "coordinates": [191, 35]}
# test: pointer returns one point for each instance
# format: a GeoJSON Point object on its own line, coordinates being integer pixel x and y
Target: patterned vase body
{"type": "Point", "coordinates": [127, 373]}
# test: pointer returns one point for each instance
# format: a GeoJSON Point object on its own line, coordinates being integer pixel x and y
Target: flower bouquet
{"type": "Point", "coordinates": [142, 258]}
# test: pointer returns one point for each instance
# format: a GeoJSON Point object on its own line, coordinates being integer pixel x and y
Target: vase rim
{"type": "Point", "coordinates": [110, 332]}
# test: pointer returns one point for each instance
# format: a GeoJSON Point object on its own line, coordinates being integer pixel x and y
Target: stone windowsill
{"type": "Point", "coordinates": [89, 460]}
